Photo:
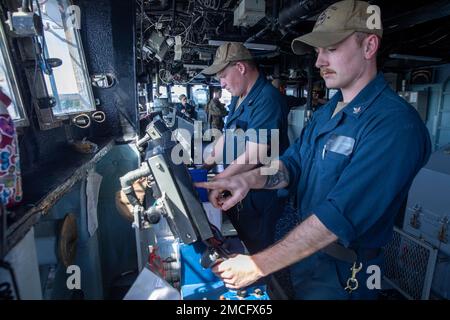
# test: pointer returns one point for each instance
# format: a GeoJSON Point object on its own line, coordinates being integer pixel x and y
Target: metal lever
{"type": "Point", "coordinates": [209, 258]}
{"type": "Point", "coordinates": [216, 249]}
{"type": "Point", "coordinates": [141, 142]}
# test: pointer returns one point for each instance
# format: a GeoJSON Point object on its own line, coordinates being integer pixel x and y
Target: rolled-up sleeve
{"type": "Point", "coordinates": [386, 159]}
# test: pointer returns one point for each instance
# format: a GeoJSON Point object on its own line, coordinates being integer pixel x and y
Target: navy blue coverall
{"type": "Point", "coordinates": [353, 171]}
{"type": "Point", "coordinates": [263, 108]}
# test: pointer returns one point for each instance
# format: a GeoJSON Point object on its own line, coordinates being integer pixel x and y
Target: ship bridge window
{"type": "Point", "coordinates": [292, 91]}
{"type": "Point", "coordinates": [226, 97]}
{"type": "Point", "coordinates": [176, 91]}
{"type": "Point", "coordinates": [331, 93]}
{"type": "Point", "coordinates": [200, 94]}
{"type": "Point", "coordinates": [162, 92]}
{"type": "Point", "coordinates": [69, 84]}
{"type": "Point", "coordinates": [8, 83]}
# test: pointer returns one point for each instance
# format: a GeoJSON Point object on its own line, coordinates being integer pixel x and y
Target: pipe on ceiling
{"type": "Point", "coordinates": [162, 6]}
{"type": "Point", "coordinates": [301, 10]}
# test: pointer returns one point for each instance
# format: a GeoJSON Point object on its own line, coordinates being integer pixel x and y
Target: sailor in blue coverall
{"type": "Point", "coordinates": [354, 172]}
{"type": "Point", "coordinates": [256, 215]}
{"type": "Point", "coordinates": [351, 169]}
{"type": "Point", "coordinates": [256, 107]}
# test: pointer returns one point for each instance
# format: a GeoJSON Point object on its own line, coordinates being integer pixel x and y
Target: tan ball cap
{"type": "Point", "coordinates": [337, 22]}
{"type": "Point", "coordinates": [227, 53]}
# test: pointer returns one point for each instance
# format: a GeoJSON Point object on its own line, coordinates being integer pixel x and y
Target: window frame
{"type": "Point", "coordinates": [11, 75]}
{"type": "Point", "coordinates": [91, 105]}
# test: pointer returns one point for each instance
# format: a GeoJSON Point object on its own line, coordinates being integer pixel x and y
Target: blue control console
{"type": "Point", "coordinates": [179, 202]}
{"type": "Point", "coordinates": [198, 283]}
{"type": "Point", "coordinates": [217, 291]}
{"type": "Point", "coordinates": [249, 293]}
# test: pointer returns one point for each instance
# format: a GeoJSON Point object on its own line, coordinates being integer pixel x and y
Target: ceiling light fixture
{"type": "Point", "coordinates": [411, 57]}
{"type": "Point", "coordinates": [251, 46]}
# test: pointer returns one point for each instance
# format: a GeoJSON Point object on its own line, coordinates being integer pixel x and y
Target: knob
{"type": "Point", "coordinates": [153, 215]}
{"type": "Point", "coordinates": [258, 292]}
{"type": "Point", "coordinates": [241, 293]}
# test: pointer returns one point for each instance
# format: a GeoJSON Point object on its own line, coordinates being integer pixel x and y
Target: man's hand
{"type": "Point", "coordinates": [236, 185]}
{"type": "Point", "coordinates": [238, 271]}
{"type": "Point", "coordinates": [215, 197]}
{"type": "Point", "coordinates": [124, 206]}
{"type": "Point", "coordinates": [220, 175]}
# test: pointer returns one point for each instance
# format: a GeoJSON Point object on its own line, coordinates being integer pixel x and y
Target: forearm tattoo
{"type": "Point", "coordinates": [274, 180]}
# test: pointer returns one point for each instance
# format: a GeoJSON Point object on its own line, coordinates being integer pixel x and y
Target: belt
{"type": "Point", "coordinates": [349, 255]}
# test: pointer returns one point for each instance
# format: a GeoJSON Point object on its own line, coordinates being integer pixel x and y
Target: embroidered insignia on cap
{"type": "Point", "coordinates": [321, 18]}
